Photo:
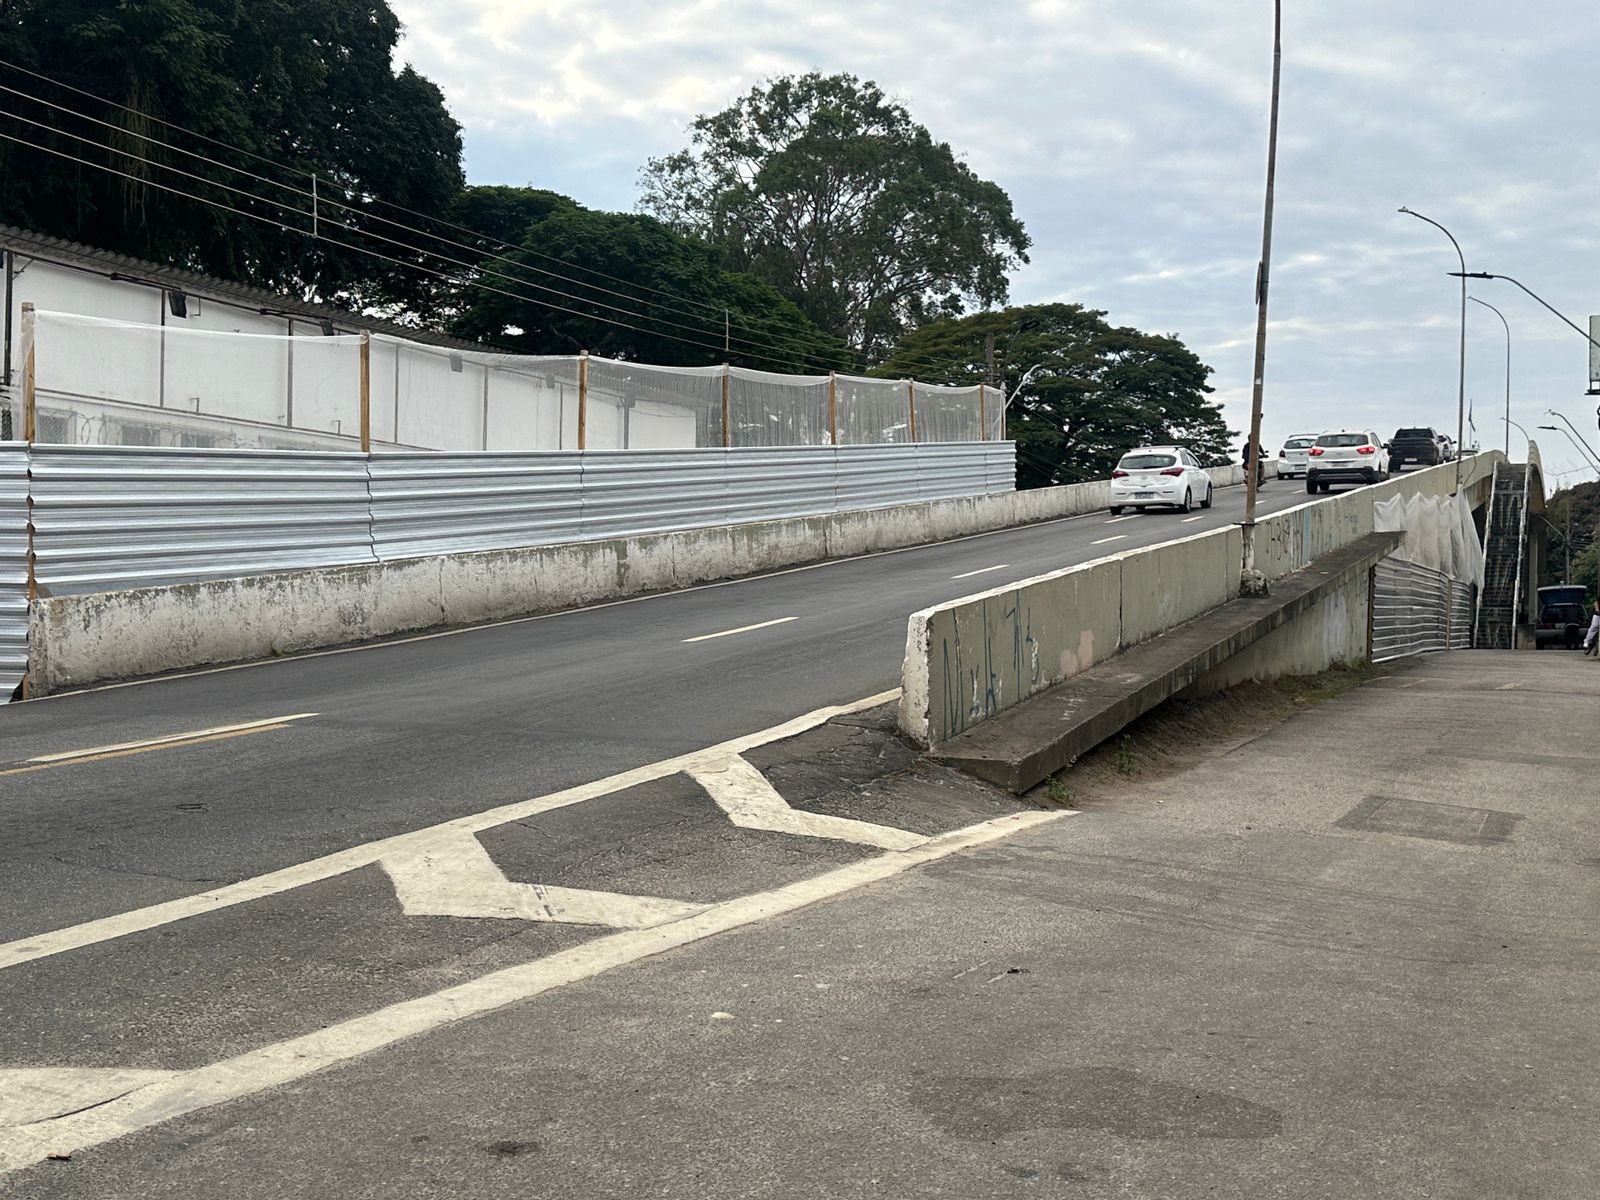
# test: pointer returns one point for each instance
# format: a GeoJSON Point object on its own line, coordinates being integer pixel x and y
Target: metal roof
{"type": "Point", "coordinates": [122, 266]}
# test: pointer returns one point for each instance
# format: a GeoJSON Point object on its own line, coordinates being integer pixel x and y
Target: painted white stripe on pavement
{"type": "Point", "coordinates": [1191, 520]}
{"type": "Point", "coordinates": [751, 802]}
{"type": "Point", "coordinates": [453, 876]}
{"type": "Point", "coordinates": [1121, 537]}
{"type": "Point", "coordinates": [706, 637]}
{"type": "Point", "coordinates": [1129, 517]}
{"type": "Point", "coordinates": [30, 1094]}
{"type": "Point", "coordinates": [980, 571]}
{"type": "Point", "coordinates": [272, 1066]}
{"type": "Point", "coordinates": [135, 921]}
{"type": "Point", "coordinates": [154, 743]}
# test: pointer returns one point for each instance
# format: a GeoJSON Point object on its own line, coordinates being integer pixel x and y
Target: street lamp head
{"type": "Point", "coordinates": [1403, 209]}
{"type": "Point", "coordinates": [1472, 275]}
{"type": "Point", "coordinates": [1551, 428]}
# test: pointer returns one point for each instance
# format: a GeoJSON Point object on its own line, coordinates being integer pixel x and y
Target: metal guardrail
{"type": "Point", "coordinates": [13, 567]}
{"type": "Point", "coordinates": [117, 517]}
{"type": "Point", "coordinates": [1417, 610]}
{"type": "Point", "coordinates": [110, 517]}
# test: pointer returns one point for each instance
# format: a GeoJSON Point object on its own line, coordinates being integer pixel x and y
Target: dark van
{"type": "Point", "coordinates": [1563, 616]}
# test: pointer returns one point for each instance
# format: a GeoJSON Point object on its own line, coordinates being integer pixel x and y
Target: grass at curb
{"type": "Point", "coordinates": [1181, 733]}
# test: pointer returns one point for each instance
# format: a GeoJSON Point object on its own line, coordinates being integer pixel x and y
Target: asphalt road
{"type": "Point", "coordinates": [1368, 976]}
{"type": "Point", "coordinates": [407, 734]}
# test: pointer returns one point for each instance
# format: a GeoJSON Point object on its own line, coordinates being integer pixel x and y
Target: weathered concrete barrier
{"type": "Point", "coordinates": [82, 639]}
{"type": "Point", "coordinates": [972, 659]}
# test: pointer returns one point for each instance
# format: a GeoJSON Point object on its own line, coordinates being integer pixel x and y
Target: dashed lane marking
{"type": "Point", "coordinates": [272, 1066]}
{"type": "Point", "coordinates": [1120, 537]}
{"type": "Point", "coordinates": [1119, 520]}
{"type": "Point", "coordinates": [706, 637]}
{"type": "Point", "coordinates": [175, 741]}
{"type": "Point", "coordinates": [981, 571]}
{"type": "Point", "coordinates": [1192, 520]}
{"type": "Point", "coordinates": [137, 920]}
{"type": "Point", "coordinates": [751, 802]}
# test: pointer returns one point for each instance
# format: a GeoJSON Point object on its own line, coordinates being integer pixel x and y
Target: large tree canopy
{"type": "Point", "coordinates": [631, 288]}
{"type": "Point", "coordinates": [828, 190]}
{"type": "Point", "coordinates": [1095, 390]}
{"type": "Point", "coordinates": [309, 85]}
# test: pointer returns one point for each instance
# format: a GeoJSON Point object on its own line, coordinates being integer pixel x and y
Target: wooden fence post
{"type": "Point", "coordinates": [727, 430]}
{"type": "Point", "coordinates": [833, 408]}
{"type": "Point", "coordinates": [30, 373]}
{"type": "Point", "coordinates": [366, 393]}
{"type": "Point", "coordinates": [911, 393]}
{"type": "Point", "coordinates": [583, 401]}
{"type": "Point", "coordinates": [983, 413]}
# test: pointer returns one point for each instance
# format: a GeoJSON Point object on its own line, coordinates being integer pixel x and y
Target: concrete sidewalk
{"type": "Point", "coordinates": [1356, 957]}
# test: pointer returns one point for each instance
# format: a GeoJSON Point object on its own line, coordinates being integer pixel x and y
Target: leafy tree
{"type": "Point", "coordinates": [1096, 389]}
{"type": "Point", "coordinates": [308, 84]}
{"type": "Point", "coordinates": [822, 186]}
{"type": "Point", "coordinates": [1584, 524]}
{"type": "Point", "coordinates": [642, 293]}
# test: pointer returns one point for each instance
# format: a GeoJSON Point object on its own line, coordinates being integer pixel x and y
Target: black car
{"type": "Point", "coordinates": [1418, 445]}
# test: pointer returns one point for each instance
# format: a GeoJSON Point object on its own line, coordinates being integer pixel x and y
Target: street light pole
{"type": "Point", "coordinates": [1504, 322]}
{"type": "Point", "coordinates": [1252, 466]}
{"type": "Point", "coordinates": [1583, 449]}
{"type": "Point", "coordinates": [1578, 437]}
{"type": "Point", "coordinates": [1466, 275]}
{"type": "Point", "coordinates": [1461, 378]}
{"type": "Point", "coordinates": [1509, 423]}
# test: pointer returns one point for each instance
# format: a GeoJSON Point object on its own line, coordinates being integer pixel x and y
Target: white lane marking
{"type": "Point", "coordinates": [105, 929]}
{"type": "Point", "coordinates": [706, 637]}
{"type": "Point", "coordinates": [1192, 520]}
{"type": "Point", "coordinates": [980, 571]}
{"type": "Point", "coordinates": [38, 1093]}
{"type": "Point", "coordinates": [1116, 520]}
{"type": "Point", "coordinates": [1121, 537]}
{"type": "Point", "coordinates": [453, 876]}
{"type": "Point", "coordinates": [284, 1062]}
{"type": "Point", "coordinates": [170, 739]}
{"type": "Point", "coordinates": [751, 802]}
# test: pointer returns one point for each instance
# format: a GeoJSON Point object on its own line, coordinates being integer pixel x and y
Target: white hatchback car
{"type": "Point", "coordinates": [1294, 455]}
{"type": "Point", "coordinates": [1159, 475]}
{"type": "Point", "coordinates": [1346, 456]}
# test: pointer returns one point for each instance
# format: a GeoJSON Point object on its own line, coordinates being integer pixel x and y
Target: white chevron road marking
{"type": "Point", "coordinates": [751, 802]}
{"type": "Point", "coordinates": [452, 875]}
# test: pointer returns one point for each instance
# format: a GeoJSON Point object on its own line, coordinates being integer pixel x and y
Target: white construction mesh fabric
{"type": "Point", "coordinates": [637, 407]}
{"type": "Point", "coordinates": [947, 414]}
{"type": "Point", "coordinates": [873, 411]}
{"type": "Point", "coordinates": [994, 408]}
{"type": "Point", "coordinates": [434, 398]}
{"type": "Point", "coordinates": [119, 383]}
{"type": "Point", "coordinates": [765, 409]}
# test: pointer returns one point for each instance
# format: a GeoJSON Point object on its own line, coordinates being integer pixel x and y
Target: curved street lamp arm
{"type": "Point", "coordinates": [1466, 274]}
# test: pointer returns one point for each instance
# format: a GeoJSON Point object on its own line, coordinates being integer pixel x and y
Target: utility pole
{"type": "Point", "coordinates": [1263, 274]}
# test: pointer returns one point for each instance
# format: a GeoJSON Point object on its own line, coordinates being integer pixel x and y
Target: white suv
{"type": "Point", "coordinates": [1159, 475]}
{"type": "Point", "coordinates": [1346, 456]}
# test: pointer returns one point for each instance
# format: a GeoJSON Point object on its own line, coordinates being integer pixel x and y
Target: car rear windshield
{"type": "Point", "coordinates": [1146, 462]}
{"type": "Point", "coordinates": [1298, 443]}
{"type": "Point", "coordinates": [1342, 439]}
{"type": "Point", "coordinates": [1414, 433]}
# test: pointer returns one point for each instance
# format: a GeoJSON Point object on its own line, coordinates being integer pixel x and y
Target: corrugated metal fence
{"type": "Point", "coordinates": [1416, 610]}
{"type": "Point", "coordinates": [107, 518]}
{"type": "Point", "coordinates": [13, 567]}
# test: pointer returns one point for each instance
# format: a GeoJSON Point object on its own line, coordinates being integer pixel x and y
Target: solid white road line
{"type": "Point", "coordinates": [256, 1071]}
{"type": "Point", "coordinates": [980, 571]}
{"type": "Point", "coordinates": [751, 802]}
{"type": "Point", "coordinates": [105, 929]}
{"type": "Point", "coordinates": [1121, 537]}
{"type": "Point", "coordinates": [455, 877]}
{"type": "Point", "coordinates": [706, 637]}
{"type": "Point", "coordinates": [169, 740]}
{"type": "Point", "coordinates": [38, 1093]}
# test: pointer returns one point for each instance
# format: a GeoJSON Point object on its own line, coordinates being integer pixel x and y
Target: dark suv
{"type": "Point", "coordinates": [1414, 445]}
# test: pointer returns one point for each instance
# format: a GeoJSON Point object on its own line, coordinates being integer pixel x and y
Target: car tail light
{"type": "Point", "coordinates": [1366, 449]}
{"type": "Point", "coordinates": [1315, 452]}
{"type": "Point", "coordinates": [1119, 474]}
{"type": "Point", "coordinates": [1173, 471]}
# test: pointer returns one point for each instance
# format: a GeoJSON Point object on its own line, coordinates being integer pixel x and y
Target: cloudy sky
{"type": "Point", "coordinates": [1131, 135]}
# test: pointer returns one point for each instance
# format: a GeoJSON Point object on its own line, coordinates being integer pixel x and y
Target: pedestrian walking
{"type": "Point", "coordinates": [1591, 640]}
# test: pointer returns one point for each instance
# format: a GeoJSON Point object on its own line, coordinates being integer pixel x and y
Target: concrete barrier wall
{"type": "Point", "coordinates": [971, 659]}
{"type": "Point", "coordinates": [85, 639]}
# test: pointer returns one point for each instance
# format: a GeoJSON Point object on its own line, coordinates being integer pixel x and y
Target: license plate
{"type": "Point", "coordinates": [1143, 495]}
